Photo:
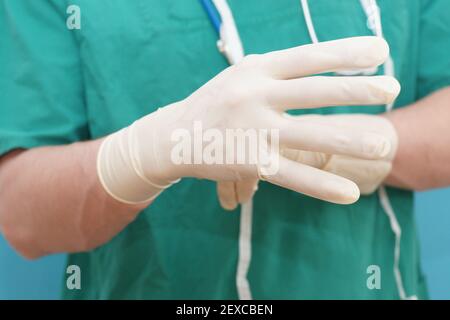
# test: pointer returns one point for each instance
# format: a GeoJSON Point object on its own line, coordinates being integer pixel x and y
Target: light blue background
{"type": "Point", "coordinates": [42, 279]}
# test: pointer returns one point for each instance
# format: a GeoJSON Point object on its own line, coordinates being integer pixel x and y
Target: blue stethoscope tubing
{"type": "Point", "coordinates": [212, 13]}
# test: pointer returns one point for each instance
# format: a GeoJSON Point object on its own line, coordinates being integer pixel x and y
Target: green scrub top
{"type": "Point", "coordinates": [58, 86]}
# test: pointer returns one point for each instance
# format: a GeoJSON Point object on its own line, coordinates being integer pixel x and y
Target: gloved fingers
{"type": "Point", "coordinates": [338, 119]}
{"type": "Point", "coordinates": [310, 158]}
{"type": "Point", "coordinates": [245, 189]}
{"type": "Point", "coordinates": [356, 122]}
{"type": "Point", "coordinates": [313, 182]}
{"type": "Point", "coordinates": [318, 91]}
{"type": "Point", "coordinates": [311, 136]}
{"type": "Point", "coordinates": [226, 191]}
{"type": "Point", "coordinates": [337, 55]}
{"type": "Point", "coordinates": [233, 193]}
{"type": "Point", "coordinates": [367, 174]}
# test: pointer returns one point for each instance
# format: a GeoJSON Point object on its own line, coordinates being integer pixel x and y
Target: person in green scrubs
{"type": "Point", "coordinates": [62, 89]}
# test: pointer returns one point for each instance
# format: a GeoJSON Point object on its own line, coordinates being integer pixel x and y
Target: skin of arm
{"type": "Point", "coordinates": [51, 200]}
{"type": "Point", "coordinates": [422, 161]}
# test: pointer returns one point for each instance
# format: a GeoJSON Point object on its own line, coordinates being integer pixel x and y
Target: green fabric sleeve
{"type": "Point", "coordinates": [41, 86]}
{"type": "Point", "coordinates": [434, 47]}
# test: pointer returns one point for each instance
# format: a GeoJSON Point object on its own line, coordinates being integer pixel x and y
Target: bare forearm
{"type": "Point", "coordinates": [52, 201]}
{"type": "Point", "coordinates": [423, 157]}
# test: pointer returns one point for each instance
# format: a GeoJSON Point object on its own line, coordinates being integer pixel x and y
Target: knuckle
{"type": "Point", "coordinates": [251, 61]}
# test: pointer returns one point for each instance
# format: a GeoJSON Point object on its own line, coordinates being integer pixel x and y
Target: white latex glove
{"type": "Point", "coordinates": [136, 163]}
{"type": "Point", "coordinates": [367, 174]}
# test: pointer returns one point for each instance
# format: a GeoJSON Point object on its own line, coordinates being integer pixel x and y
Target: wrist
{"type": "Point", "coordinates": [118, 175]}
{"type": "Point", "coordinates": [152, 144]}
{"type": "Point", "coordinates": [133, 164]}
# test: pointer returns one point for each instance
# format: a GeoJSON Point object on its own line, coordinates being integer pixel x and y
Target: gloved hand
{"type": "Point", "coordinates": [367, 174]}
{"type": "Point", "coordinates": [136, 163]}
